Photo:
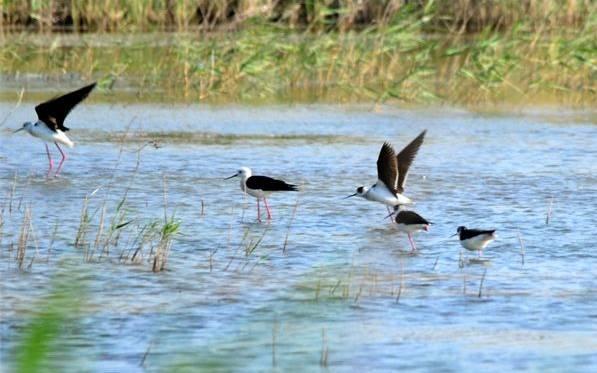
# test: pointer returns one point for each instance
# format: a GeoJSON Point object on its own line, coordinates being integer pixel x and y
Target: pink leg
{"type": "Point", "coordinates": [412, 243]}
{"type": "Point", "coordinates": [269, 214]}
{"type": "Point", "coordinates": [61, 161]}
{"type": "Point", "coordinates": [258, 211]}
{"type": "Point", "coordinates": [50, 162]}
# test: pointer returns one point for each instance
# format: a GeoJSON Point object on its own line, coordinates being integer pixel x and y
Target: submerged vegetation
{"type": "Point", "coordinates": [464, 53]}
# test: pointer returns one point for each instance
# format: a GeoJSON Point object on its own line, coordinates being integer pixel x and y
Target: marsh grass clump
{"type": "Point", "coordinates": [168, 231]}
{"type": "Point", "coordinates": [24, 237]}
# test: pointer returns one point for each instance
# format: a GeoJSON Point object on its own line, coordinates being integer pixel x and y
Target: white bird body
{"type": "Point", "coordinates": [477, 243]}
{"type": "Point", "coordinates": [412, 228]}
{"type": "Point", "coordinates": [380, 193]}
{"type": "Point", "coordinates": [40, 130]}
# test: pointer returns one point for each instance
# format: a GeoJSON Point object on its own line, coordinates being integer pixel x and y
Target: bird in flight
{"type": "Point", "coordinates": [392, 172]}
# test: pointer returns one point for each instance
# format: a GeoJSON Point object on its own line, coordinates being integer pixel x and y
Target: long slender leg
{"type": "Point", "coordinates": [269, 214]}
{"type": "Point", "coordinates": [258, 211]}
{"type": "Point", "coordinates": [412, 243]}
{"type": "Point", "coordinates": [61, 161]}
{"type": "Point", "coordinates": [389, 212]}
{"type": "Point", "coordinates": [50, 161]}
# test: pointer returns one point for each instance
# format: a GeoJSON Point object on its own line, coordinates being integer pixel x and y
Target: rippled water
{"type": "Point", "coordinates": [332, 286]}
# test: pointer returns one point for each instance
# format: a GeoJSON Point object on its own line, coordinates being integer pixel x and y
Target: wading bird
{"type": "Point", "coordinates": [475, 239]}
{"type": "Point", "coordinates": [260, 187]}
{"type": "Point", "coordinates": [410, 222]}
{"type": "Point", "coordinates": [392, 171]}
{"type": "Point", "coordinates": [50, 124]}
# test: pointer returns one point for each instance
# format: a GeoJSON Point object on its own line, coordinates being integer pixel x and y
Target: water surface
{"type": "Point", "coordinates": [321, 287]}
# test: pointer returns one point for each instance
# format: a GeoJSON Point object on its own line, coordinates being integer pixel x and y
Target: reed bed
{"type": "Point", "coordinates": [419, 53]}
{"type": "Point", "coordinates": [209, 15]}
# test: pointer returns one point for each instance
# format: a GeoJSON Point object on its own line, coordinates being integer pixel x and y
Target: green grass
{"type": "Point", "coordinates": [403, 58]}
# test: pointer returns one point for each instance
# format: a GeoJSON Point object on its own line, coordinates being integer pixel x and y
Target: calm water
{"type": "Point", "coordinates": [329, 296]}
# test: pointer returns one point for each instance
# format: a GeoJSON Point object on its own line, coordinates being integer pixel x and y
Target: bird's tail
{"type": "Point", "coordinates": [63, 139]}
{"type": "Point", "coordinates": [292, 187]}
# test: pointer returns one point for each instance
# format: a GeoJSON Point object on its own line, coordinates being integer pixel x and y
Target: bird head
{"type": "Point", "coordinates": [458, 230]}
{"type": "Point", "coordinates": [361, 191]}
{"type": "Point", "coordinates": [26, 126]}
{"type": "Point", "coordinates": [244, 172]}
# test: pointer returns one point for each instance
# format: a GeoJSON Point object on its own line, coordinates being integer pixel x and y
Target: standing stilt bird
{"type": "Point", "coordinates": [50, 124]}
{"type": "Point", "coordinates": [260, 187]}
{"type": "Point", "coordinates": [410, 222]}
{"type": "Point", "coordinates": [392, 171]}
{"type": "Point", "coordinates": [475, 239]}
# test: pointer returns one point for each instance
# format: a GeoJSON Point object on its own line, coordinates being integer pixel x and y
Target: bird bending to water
{"type": "Point", "coordinates": [260, 187]}
{"type": "Point", "coordinates": [410, 222]}
{"type": "Point", "coordinates": [475, 239]}
{"type": "Point", "coordinates": [50, 124]}
{"type": "Point", "coordinates": [392, 171]}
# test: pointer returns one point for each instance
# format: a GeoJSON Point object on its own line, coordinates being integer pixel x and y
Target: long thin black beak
{"type": "Point", "coordinates": [454, 235]}
{"type": "Point", "coordinates": [20, 129]}
{"type": "Point", "coordinates": [230, 177]}
{"type": "Point", "coordinates": [391, 214]}
{"type": "Point", "coordinates": [352, 195]}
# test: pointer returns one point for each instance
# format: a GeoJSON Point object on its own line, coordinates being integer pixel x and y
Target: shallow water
{"type": "Point", "coordinates": [342, 292]}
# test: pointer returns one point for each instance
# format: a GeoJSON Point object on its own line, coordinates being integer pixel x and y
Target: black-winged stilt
{"type": "Point", "coordinates": [475, 239]}
{"type": "Point", "coordinates": [410, 222]}
{"type": "Point", "coordinates": [50, 124]}
{"type": "Point", "coordinates": [260, 187]}
{"type": "Point", "coordinates": [392, 171]}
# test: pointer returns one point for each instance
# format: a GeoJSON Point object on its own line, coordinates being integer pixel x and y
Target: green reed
{"type": "Point", "coordinates": [403, 58]}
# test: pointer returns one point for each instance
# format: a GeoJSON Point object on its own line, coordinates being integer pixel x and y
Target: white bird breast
{"type": "Point", "coordinates": [410, 228]}
{"type": "Point", "coordinates": [477, 243]}
{"type": "Point", "coordinates": [42, 131]}
{"type": "Point", "coordinates": [257, 193]}
{"type": "Point", "coordinates": [380, 193]}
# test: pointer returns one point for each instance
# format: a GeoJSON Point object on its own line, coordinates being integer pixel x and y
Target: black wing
{"type": "Point", "coordinates": [406, 157]}
{"type": "Point", "coordinates": [267, 184]}
{"type": "Point", "coordinates": [387, 169]}
{"type": "Point", "coordinates": [410, 218]}
{"type": "Point", "coordinates": [54, 111]}
{"type": "Point", "coordinates": [470, 233]}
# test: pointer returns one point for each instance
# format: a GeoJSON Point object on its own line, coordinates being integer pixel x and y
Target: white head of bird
{"type": "Point", "coordinates": [244, 173]}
